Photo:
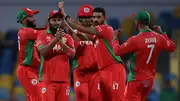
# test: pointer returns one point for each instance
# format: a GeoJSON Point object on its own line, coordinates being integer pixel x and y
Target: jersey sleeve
{"type": "Point", "coordinates": [41, 41]}
{"type": "Point", "coordinates": [167, 44]}
{"type": "Point", "coordinates": [103, 31]}
{"type": "Point", "coordinates": [126, 47]}
{"type": "Point", "coordinates": [70, 43]}
{"type": "Point", "coordinates": [31, 34]}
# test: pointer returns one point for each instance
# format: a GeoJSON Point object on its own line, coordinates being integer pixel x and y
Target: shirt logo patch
{"type": "Point", "coordinates": [77, 83]}
{"type": "Point", "coordinates": [34, 81]}
{"type": "Point", "coordinates": [48, 38]}
{"type": "Point", "coordinates": [55, 11]}
{"type": "Point", "coordinates": [43, 90]}
{"type": "Point", "coordinates": [86, 10]}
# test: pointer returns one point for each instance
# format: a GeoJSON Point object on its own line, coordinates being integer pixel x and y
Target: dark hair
{"type": "Point", "coordinates": [100, 10]}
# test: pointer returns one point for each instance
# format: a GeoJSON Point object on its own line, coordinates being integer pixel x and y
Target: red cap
{"type": "Point", "coordinates": [30, 12]}
{"type": "Point", "coordinates": [25, 12]}
{"type": "Point", "coordinates": [85, 10]}
{"type": "Point", "coordinates": [54, 12]}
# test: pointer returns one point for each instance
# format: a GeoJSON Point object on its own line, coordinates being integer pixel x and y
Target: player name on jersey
{"type": "Point", "coordinates": [150, 40]}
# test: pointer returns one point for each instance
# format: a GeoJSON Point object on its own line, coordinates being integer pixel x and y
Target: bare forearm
{"type": "Point", "coordinates": [78, 26]}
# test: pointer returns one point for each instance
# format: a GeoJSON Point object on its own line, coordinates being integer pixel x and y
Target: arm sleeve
{"type": "Point", "coordinates": [167, 44]}
{"type": "Point", "coordinates": [70, 43]}
{"type": "Point", "coordinates": [125, 48]}
{"type": "Point", "coordinates": [31, 34]}
{"type": "Point", "coordinates": [103, 31]}
{"type": "Point", "coordinates": [41, 42]}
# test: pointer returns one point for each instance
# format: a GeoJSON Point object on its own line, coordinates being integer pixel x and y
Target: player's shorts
{"type": "Point", "coordinates": [55, 91]}
{"type": "Point", "coordinates": [28, 78]}
{"type": "Point", "coordinates": [138, 90]}
{"type": "Point", "coordinates": [112, 82]}
{"type": "Point", "coordinates": [86, 85]}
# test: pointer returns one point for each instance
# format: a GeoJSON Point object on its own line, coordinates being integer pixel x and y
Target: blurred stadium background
{"type": "Point", "coordinates": [163, 12]}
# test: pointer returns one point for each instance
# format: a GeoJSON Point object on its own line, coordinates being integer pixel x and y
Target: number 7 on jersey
{"type": "Point", "coordinates": [151, 46]}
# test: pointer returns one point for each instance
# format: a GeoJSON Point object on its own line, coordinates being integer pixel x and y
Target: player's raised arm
{"type": "Point", "coordinates": [126, 47]}
{"type": "Point", "coordinates": [167, 43]}
{"type": "Point", "coordinates": [73, 22]}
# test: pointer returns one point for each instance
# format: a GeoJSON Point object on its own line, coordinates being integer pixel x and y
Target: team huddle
{"type": "Point", "coordinates": [98, 70]}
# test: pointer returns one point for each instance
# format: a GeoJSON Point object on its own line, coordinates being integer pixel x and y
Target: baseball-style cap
{"type": "Point", "coordinates": [54, 12]}
{"type": "Point", "coordinates": [85, 10]}
{"type": "Point", "coordinates": [142, 17]}
{"type": "Point", "coordinates": [25, 12]}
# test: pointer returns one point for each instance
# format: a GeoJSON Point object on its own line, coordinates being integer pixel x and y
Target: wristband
{"type": "Point", "coordinates": [67, 16]}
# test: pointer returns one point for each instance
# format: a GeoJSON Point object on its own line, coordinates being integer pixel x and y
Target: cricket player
{"type": "Point", "coordinates": [28, 62]}
{"type": "Point", "coordinates": [86, 72]}
{"type": "Point", "coordinates": [55, 48]}
{"type": "Point", "coordinates": [112, 71]}
{"type": "Point", "coordinates": [146, 47]}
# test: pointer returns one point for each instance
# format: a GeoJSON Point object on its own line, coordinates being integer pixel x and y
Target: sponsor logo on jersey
{"type": "Point", "coordinates": [34, 81]}
{"type": "Point", "coordinates": [48, 38]}
{"type": "Point", "coordinates": [77, 83]}
{"type": "Point", "coordinates": [43, 90]}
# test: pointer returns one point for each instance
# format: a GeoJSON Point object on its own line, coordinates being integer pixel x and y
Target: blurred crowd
{"type": "Point", "coordinates": [165, 86]}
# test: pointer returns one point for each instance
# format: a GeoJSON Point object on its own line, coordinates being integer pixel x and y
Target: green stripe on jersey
{"type": "Point", "coordinates": [75, 63]}
{"type": "Point", "coordinates": [132, 73]}
{"type": "Point", "coordinates": [116, 58]}
{"type": "Point", "coordinates": [41, 68]}
{"type": "Point", "coordinates": [93, 29]}
{"type": "Point", "coordinates": [28, 53]}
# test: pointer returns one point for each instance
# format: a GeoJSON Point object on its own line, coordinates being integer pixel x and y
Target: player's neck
{"type": "Point", "coordinates": [144, 29]}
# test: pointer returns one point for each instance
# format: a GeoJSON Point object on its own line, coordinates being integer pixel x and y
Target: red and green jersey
{"type": "Point", "coordinates": [145, 47]}
{"type": "Point", "coordinates": [28, 54]}
{"type": "Point", "coordinates": [105, 54]}
{"type": "Point", "coordinates": [55, 63]}
{"type": "Point", "coordinates": [85, 57]}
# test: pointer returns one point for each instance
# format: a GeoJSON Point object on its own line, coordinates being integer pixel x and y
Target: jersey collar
{"type": "Point", "coordinates": [146, 30]}
{"type": "Point", "coordinates": [48, 31]}
{"type": "Point", "coordinates": [22, 26]}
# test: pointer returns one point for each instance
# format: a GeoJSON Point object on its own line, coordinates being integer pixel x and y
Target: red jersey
{"type": "Point", "coordinates": [28, 54]}
{"type": "Point", "coordinates": [145, 47]}
{"type": "Point", "coordinates": [105, 54]}
{"type": "Point", "coordinates": [85, 57]}
{"type": "Point", "coordinates": [56, 64]}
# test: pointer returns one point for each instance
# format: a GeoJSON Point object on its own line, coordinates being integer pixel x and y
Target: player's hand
{"type": "Point", "coordinates": [157, 29]}
{"type": "Point", "coordinates": [61, 7]}
{"type": "Point", "coordinates": [117, 34]}
{"type": "Point", "coordinates": [59, 34]}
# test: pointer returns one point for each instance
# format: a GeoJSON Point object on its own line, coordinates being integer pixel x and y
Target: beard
{"type": "Point", "coordinates": [52, 29]}
{"type": "Point", "coordinates": [31, 24]}
{"type": "Point", "coordinates": [95, 23]}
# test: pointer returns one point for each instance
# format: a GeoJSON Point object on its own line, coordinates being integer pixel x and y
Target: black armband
{"type": "Point", "coordinates": [67, 16]}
